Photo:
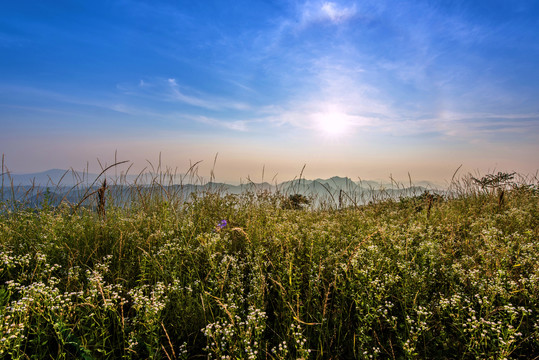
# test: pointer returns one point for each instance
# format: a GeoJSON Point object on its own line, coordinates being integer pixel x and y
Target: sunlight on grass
{"type": "Point", "coordinates": [168, 275]}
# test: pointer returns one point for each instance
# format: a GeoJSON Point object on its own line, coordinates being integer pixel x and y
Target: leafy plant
{"type": "Point", "coordinates": [498, 180]}
{"type": "Point", "coordinates": [296, 202]}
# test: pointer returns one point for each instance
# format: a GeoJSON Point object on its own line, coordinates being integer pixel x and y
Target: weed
{"type": "Point", "coordinates": [173, 275]}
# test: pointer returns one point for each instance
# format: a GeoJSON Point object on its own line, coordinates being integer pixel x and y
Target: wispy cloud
{"type": "Point", "coordinates": [179, 119]}
{"type": "Point", "coordinates": [486, 125]}
{"type": "Point", "coordinates": [408, 91]}
{"type": "Point", "coordinates": [326, 11]}
{"type": "Point", "coordinates": [170, 90]}
{"type": "Point", "coordinates": [53, 97]}
{"type": "Point", "coordinates": [469, 128]}
{"type": "Point", "coordinates": [178, 95]}
{"type": "Point", "coordinates": [235, 125]}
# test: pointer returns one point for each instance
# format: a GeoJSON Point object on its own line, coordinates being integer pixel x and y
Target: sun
{"type": "Point", "coordinates": [332, 124]}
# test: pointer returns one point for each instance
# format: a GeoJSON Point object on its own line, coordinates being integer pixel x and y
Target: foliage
{"type": "Point", "coordinates": [295, 202]}
{"type": "Point", "coordinates": [495, 180]}
{"type": "Point", "coordinates": [244, 277]}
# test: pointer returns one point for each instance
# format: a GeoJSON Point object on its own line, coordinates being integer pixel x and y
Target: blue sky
{"type": "Point", "coordinates": [351, 88]}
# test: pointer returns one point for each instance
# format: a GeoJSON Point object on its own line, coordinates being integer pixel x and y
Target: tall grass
{"type": "Point", "coordinates": [165, 278]}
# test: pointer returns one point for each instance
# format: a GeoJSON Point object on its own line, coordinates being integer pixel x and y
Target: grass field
{"type": "Point", "coordinates": [250, 277]}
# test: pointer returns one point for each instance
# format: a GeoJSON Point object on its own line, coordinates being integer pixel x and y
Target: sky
{"type": "Point", "coordinates": [259, 89]}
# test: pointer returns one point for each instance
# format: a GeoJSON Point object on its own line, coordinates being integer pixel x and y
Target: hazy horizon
{"type": "Point", "coordinates": [193, 177]}
{"type": "Point", "coordinates": [358, 89]}
{"type": "Point", "coordinates": [123, 174]}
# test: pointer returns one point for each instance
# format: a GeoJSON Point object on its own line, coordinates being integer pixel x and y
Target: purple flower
{"type": "Point", "coordinates": [222, 224]}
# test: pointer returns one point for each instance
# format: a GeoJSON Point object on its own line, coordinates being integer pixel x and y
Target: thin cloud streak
{"type": "Point", "coordinates": [177, 119]}
{"type": "Point", "coordinates": [230, 125]}
{"type": "Point", "coordinates": [26, 94]}
{"type": "Point", "coordinates": [169, 90]}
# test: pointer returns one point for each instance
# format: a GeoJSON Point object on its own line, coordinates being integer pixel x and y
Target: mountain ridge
{"type": "Point", "coordinates": [60, 178]}
{"type": "Point", "coordinates": [45, 187]}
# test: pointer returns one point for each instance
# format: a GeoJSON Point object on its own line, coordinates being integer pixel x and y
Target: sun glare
{"type": "Point", "coordinates": [332, 124]}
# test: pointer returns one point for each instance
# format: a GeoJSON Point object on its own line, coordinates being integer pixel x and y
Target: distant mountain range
{"type": "Point", "coordinates": [61, 178]}
{"type": "Point", "coordinates": [58, 185]}
{"type": "Point", "coordinates": [55, 178]}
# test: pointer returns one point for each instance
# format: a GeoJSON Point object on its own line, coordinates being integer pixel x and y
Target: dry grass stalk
{"type": "Point", "coordinates": [101, 200]}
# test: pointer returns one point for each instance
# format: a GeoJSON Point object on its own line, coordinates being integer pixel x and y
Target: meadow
{"type": "Point", "coordinates": [270, 276]}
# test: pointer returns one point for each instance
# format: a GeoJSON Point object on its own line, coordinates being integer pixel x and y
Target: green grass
{"type": "Point", "coordinates": [424, 277]}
